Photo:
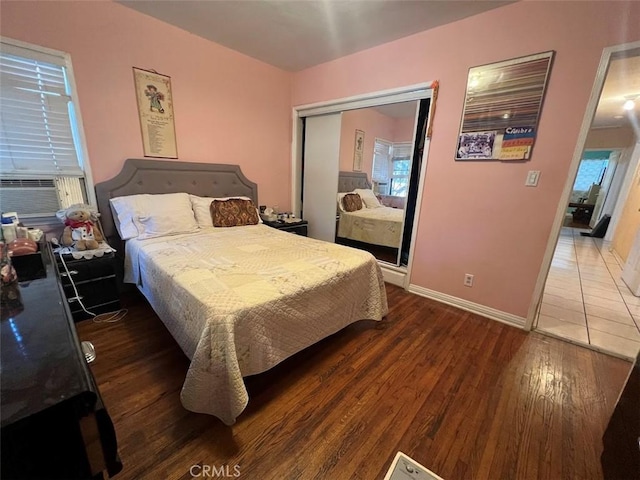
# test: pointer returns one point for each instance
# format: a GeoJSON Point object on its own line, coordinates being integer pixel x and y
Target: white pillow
{"type": "Point", "coordinates": [124, 209]}
{"type": "Point", "coordinates": [368, 198]}
{"type": "Point", "coordinates": [202, 212]}
{"type": "Point", "coordinates": [154, 215]}
{"type": "Point", "coordinates": [200, 206]}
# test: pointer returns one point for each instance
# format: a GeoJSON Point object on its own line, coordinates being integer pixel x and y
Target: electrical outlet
{"type": "Point", "coordinates": [468, 280]}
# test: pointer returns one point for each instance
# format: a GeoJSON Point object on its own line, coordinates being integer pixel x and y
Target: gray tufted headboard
{"type": "Point", "coordinates": [163, 176]}
{"type": "Point", "coordinates": [349, 181]}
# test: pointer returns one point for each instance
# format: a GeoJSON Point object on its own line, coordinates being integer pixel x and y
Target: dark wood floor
{"type": "Point", "coordinates": [467, 397]}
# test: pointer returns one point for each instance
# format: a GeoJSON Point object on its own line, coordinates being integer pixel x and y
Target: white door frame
{"type": "Point", "coordinates": [606, 194]}
{"type": "Point", "coordinates": [632, 164]}
{"type": "Point", "coordinates": [418, 91]}
{"type": "Point", "coordinates": [601, 74]}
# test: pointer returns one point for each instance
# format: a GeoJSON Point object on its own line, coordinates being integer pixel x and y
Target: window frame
{"type": "Point", "coordinates": [83, 154]}
{"type": "Point", "coordinates": [400, 177]}
{"type": "Point", "coordinates": [389, 165]}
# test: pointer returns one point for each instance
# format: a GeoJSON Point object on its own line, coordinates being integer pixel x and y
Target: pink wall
{"type": "Point", "coordinates": [229, 108]}
{"type": "Point", "coordinates": [403, 129]}
{"type": "Point", "coordinates": [478, 217]}
{"type": "Point", "coordinates": [374, 125]}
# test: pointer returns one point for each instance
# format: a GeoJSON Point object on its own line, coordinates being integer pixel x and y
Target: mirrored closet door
{"type": "Point", "coordinates": [365, 189]}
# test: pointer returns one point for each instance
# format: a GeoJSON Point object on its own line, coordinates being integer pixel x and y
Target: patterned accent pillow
{"type": "Point", "coordinates": [234, 212]}
{"type": "Point", "coordinates": [352, 202]}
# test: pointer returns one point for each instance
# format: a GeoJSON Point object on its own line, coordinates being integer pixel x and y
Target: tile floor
{"type": "Point", "coordinates": [585, 301]}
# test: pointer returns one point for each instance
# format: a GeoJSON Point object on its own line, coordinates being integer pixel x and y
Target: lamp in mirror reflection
{"type": "Point", "coordinates": [630, 102]}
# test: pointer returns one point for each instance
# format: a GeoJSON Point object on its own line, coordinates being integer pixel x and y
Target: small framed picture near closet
{"type": "Point", "coordinates": [358, 151]}
{"type": "Point", "coordinates": [155, 109]}
{"type": "Point", "coordinates": [502, 107]}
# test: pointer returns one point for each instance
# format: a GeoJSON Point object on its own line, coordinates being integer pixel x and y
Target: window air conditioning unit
{"type": "Point", "coordinates": [39, 197]}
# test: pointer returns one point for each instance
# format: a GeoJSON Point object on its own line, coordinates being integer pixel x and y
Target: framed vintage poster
{"type": "Point", "coordinates": [358, 150]}
{"type": "Point", "coordinates": [502, 108]}
{"type": "Point", "coordinates": [155, 109]}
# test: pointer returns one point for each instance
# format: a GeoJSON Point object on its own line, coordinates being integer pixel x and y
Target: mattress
{"type": "Point", "coordinates": [378, 226]}
{"type": "Point", "coordinates": [240, 300]}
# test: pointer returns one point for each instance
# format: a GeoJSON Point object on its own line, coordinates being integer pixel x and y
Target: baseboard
{"type": "Point", "coordinates": [472, 307]}
{"type": "Point", "coordinates": [393, 276]}
{"type": "Point", "coordinates": [617, 257]}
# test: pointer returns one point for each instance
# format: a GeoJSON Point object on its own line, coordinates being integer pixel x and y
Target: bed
{"type": "Point", "coordinates": [374, 223]}
{"type": "Point", "coordinates": [237, 300]}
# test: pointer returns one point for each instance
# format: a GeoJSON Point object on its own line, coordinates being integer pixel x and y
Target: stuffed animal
{"type": "Point", "coordinates": [80, 229]}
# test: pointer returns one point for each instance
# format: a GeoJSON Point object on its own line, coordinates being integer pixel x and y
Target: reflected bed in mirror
{"type": "Point", "coordinates": [370, 222]}
{"type": "Point", "coordinates": [386, 134]}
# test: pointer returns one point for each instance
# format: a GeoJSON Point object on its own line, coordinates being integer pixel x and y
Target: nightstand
{"type": "Point", "coordinates": [299, 228]}
{"type": "Point", "coordinates": [96, 282]}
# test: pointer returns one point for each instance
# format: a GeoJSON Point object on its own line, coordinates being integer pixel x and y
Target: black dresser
{"type": "Point", "coordinates": [54, 423]}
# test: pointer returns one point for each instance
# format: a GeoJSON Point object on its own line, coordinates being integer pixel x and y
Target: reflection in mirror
{"type": "Point", "coordinates": [376, 147]}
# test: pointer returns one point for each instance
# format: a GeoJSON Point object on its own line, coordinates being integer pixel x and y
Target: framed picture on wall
{"type": "Point", "coordinates": [358, 150]}
{"type": "Point", "coordinates": [502, 108]}
{"type": "Point", "coordinates": [155, 109]}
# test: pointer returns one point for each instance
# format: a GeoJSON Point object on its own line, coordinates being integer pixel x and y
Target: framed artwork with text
{"type": "Point", "coordinates": [502, 107]}
{"type": "Point", "coordinates": [155, 109]}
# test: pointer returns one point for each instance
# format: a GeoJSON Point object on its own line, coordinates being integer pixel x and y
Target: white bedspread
{"type": "Point", "coordinates": [240, 300]}
{"type": "Point", "coordinates": [378, 226]}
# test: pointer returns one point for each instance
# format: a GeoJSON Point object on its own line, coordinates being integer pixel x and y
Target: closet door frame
{"type": "Point", "coordinates": [396, 275]}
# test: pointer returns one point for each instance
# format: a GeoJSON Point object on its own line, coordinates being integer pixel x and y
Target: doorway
{"type": "Point", "coordinates": [583, 297]}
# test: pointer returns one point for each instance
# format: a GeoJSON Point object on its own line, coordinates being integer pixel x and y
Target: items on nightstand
{"type": "Point", "coordinates": [87, 266]}
{"type": "Point", "coordinates": [292, 225]}
{"type": "Point", "coordinates": [9, 226]}
{"type": "Point", "coordinates": [10, 300]}
{"type": "Point", "coordinates": [267, 214]}
{"type": "Point", "coordinates": [80, 227]}
{"type": "Point", "coordinates": [26, 257]}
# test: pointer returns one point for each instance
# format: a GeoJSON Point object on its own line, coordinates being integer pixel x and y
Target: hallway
{"type": "Point", "coordinates": [585, 301]}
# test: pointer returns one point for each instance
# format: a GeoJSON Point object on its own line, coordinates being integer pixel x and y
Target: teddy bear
{"type": "Point", "coordinates": [80, 230]}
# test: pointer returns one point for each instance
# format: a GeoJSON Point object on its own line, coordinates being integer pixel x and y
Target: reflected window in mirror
{"type": "Point", "coordinates": [400, 169]}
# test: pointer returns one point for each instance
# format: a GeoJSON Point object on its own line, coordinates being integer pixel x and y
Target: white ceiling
{"type": "Point", "coordinates": [297, 34]}
{"type": "Point", "coordinates": [399, 110]}
{"type": "Point", "coordinates": [621, 83]}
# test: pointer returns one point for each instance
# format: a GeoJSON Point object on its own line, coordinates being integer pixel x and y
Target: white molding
{"type": "Point", "coordinates": [86, 163]}
{"type": "Point", "coordinates": [571, 175]}
{"type": "Point", "coordinates": [483, 310]}
{"type": "Point", "coordinates": [625, 188]}
{"type": "Point", "coordinates": [296, 162]}
{"type": "Point", "coordinates": [371, 99]}
{"type": "Point", "coordinates": [394, 276]}
{"type": "Point", "coordinates": [617, 256]}
{"type": "Point", "coordinates": [34, 48]}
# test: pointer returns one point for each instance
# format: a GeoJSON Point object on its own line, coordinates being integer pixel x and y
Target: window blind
{"type": "Point", "coordinates": [36, 110]}
{"type": "Point", "coordinates": [381, 161]}
{"type": "Point", "coordinates": [402, 151]}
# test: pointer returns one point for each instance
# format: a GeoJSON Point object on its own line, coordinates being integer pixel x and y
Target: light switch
{"type": "Point", "coordinates": [532, 178]}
